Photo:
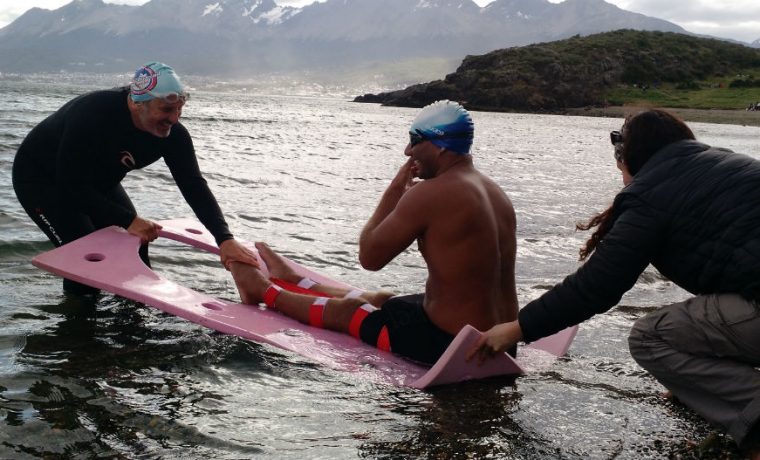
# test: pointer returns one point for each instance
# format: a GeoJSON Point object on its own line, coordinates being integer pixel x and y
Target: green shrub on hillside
{"type": "Point", "coordinates": [745, 81]}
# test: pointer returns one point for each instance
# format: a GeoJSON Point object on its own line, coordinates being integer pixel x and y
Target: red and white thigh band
{"type": "Point", "coordinates": [354, 327]}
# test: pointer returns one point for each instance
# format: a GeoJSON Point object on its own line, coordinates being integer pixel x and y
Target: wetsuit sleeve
{"type": "Point", "coordinates": [183, 165]}
{"type": "Point", "coordinates": [76, 172]}
{"type": "Point", "coordinates": [599, 284]}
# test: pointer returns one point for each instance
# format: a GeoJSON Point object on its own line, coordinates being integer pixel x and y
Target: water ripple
{"type": "Point", "coordinates": [110, 378]}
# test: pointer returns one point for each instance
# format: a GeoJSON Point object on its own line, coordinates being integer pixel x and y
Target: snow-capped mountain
{"type": "Point", "coordinates": [245, 36]}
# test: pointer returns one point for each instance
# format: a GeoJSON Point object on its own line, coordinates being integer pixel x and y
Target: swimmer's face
{"type": "Point", "coordinates": [158, 116]}
{"type": "Point", "coordinates": [424, 157]}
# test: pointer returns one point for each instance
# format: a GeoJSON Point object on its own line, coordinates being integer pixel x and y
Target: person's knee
{"type": "Point", "coordinates": [340, 311]}
{"type": "Point", "coordinates": [642, 335]}
{"type": "Point", "coordinates": [376, 298]}
{"type": "Point", "coordinates": [641, 329]}
{"type": "Point", "coordinates": [635, 343]}
{"type": "Point", "coordinates": [661, 334]}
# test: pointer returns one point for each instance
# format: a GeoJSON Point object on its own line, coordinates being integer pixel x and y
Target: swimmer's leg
{"type": "Point", "coordinates": [338, 314]}
{"type": "Point", "coordinates": [279, 268]}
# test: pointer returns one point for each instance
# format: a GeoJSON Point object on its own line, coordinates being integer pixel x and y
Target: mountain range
{"type": "Point", "coordinates": [244, 37]}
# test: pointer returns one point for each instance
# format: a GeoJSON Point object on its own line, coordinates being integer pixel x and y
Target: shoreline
{"type": "Point", "coordinates": [717, 116]}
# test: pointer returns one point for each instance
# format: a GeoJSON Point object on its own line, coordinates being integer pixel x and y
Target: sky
{"type": "Point", "coordinates": [735, 19]}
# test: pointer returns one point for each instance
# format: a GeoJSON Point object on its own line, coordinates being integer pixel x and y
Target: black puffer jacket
{"type": "Point", "coordinates": [692, 211]}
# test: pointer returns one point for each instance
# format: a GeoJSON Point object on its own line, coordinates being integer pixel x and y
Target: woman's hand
{"type": "Point", "coordinates": [495, 340]}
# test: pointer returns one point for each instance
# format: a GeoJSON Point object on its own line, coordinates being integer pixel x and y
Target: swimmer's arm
{"type": "Point", "coordinates": [398, 220]}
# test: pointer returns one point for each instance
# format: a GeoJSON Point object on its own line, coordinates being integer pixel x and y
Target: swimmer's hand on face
{"type": "Point", "coordinates": [405, 178]}
{"type": "Point", "coordinates": [414, 173]}
{"type": "Point", "coordinates": [415, 170]}
{"type": "Point", "coordinates": [144, 229]}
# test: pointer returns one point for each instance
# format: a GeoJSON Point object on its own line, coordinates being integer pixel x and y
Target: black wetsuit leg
{"type": "Point", "coordinates": [119, 195]}
{"type": "Point", "coordinates": [62, 222]}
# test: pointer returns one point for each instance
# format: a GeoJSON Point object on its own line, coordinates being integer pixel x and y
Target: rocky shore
{"type": "Point", "coordinates": [730, 117]}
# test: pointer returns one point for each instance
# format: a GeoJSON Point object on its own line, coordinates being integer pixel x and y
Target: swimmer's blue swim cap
{"type": "Point", "coordinates": [446, 124]}
{"type": "Point", "coordinates": [155, 79]}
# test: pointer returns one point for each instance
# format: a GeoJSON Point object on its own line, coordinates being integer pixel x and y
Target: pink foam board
{"type": "Point", "coordinates": [108, 259]}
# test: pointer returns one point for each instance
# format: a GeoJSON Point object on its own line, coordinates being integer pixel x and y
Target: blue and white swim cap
{"type": "Point", "coordinates": [155, 79]}
{"type": "Point", "coordinates": [446, 124]}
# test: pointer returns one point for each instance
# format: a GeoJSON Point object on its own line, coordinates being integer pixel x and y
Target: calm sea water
{"type": "Point", "coordinates": [111, 378]}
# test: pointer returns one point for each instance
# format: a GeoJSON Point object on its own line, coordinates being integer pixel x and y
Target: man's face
{"type": "Point", "coordinates": [425, 158]}
{"type": "Point", "coordinates": [158, 116]}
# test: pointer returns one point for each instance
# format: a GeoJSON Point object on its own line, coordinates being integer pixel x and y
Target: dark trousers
{"type": "Point", "coordinates": [706, 351]}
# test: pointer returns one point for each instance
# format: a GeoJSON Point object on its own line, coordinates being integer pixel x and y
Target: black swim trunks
{"type": "Point", "coordinates": [410, 331]}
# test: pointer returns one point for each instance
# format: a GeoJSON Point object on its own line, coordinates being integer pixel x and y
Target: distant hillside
{"type": "Point", "coordinates": [585, 71]}
{"type": "Point", "coordinates": [242, 38]}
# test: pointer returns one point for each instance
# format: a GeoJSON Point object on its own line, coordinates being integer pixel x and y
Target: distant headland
{"type": "Point", "coordinates": [606, 74]}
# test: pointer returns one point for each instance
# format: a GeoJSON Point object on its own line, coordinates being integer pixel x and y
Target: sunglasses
{"type": "Point", "coordinates": [416, 136]}
{"type": "Point", "coordinates": [616, 137]}
{"type": "Point", "coordinates": [171, 98]}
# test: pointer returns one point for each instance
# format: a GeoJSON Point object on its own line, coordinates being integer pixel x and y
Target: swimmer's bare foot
{"type": "Point", "coordinates": [278, 267]}
{"type": "Point", "coordinates": [250, 281]}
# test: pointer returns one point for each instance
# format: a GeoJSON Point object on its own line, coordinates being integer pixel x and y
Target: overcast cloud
{"type": "Point", "coordinates": [735, 19]}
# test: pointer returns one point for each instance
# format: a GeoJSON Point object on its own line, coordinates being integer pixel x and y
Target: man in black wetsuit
{"type": "Point", "coordinates": [68, 170]}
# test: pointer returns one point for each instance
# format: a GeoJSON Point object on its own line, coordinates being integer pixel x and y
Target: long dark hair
{"type": "Point", "coordinates": [644, 134]}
